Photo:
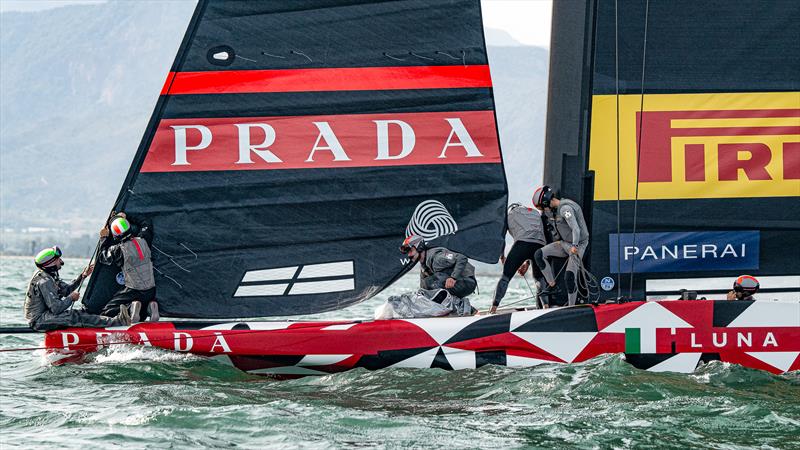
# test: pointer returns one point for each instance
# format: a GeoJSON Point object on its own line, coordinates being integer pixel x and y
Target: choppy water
{"type": "Point", "coordinates": [146, 398]}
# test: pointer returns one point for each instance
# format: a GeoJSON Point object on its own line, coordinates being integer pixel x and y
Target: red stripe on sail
{"type": "Point", "coordinates": [138, 249]}
{"type": "Point", "coordinates": [327, 79]}
{"type": "Point", "coordinates": [320, 142]}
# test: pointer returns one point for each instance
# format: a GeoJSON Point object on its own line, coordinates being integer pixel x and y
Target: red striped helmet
{"type": "Point", "coordinates": [412, 241]}
{"type": "Point", "coordinates": [747, 284]}
{"type": "Point", "coordinates": [542, 197]}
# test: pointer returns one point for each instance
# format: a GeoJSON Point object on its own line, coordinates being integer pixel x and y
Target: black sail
{"type": "Point", "coordinates": [294, 143]}
{"type": "Point", "coordinates": [709, 156]}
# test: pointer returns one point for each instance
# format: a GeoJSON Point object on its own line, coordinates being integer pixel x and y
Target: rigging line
{"type": "Point", "coordinates": [172, 338]}
{"type": "Point", "coordinates": [95, 254]}
{"type": "Point", "coordinates": [519, 301]}
{"type": "Point", "coordinates": [616, 79]}
{"type": "Point", "coordinates": [246, 59]}
{"type": "Point", "coordinates": [639, 142]}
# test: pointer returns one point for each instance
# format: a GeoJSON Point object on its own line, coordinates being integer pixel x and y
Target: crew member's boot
{"type": "Point", "coordinates": [136, 309]}
{"type": "Point", "coordinates": [152, 310]}
{"type": "Point", "coordinates": [123, 318]}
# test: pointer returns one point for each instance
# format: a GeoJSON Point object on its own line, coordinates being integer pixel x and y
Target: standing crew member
{"type": "Point", "coordinates": [48, 301]}
{"type": "Point", "coordinates": [131, 253]}
{"type": "Point", "coordinates": [441, 268]}
{"type": "Point", "coordinates": [744, 288]}
{"type": "Point", "coordinates": [572, 240]}
{"type": "Point", "coordinates": [525, 226]}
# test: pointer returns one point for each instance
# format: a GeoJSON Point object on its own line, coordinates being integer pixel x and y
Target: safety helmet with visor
{"type": "Point", "coordinates": [542, 196]}
{"type": "Point", "coordinates": [120, 227]}
{"type": "Point", "coordinates": [48, 257]}
{"type": "Point", "coordinates": [746, 284]}
{"type": "Point", "coordinates": [413, 241]}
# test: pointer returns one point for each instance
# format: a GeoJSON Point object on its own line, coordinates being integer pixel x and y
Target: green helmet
{"type": "Point", "coordinates": [47, 257]}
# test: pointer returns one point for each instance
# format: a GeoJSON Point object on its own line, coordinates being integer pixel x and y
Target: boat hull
{"type": "Point", "coordinates": [659, 336]}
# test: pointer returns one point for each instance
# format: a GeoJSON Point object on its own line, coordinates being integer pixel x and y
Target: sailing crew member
{"type": "Point", "coordinates": [48, 301]}
{"type": "Point", "coordinates": [526, 228]}
{"type": "Point", "coordinates": [130, 251]}
{"type": "Point", "coordinates": [571, 241]}
{"type": "Point", "coordinates": [441, 268]}
{"type": "Point", "coordinates": [744, 288]}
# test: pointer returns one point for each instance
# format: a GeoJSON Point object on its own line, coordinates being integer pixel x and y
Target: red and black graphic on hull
{"type": "Point", "coordinates": [659, 336]}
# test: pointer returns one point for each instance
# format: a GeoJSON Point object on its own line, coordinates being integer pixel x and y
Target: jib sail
{"type": "Point", "coordinates": [294, 143]}
{"type": "Point", "coordinates": [677, 124]}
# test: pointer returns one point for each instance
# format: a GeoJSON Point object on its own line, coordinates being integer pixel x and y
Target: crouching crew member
{"type": "Point", "coordinates": [48, 301]}
{"type": "Point", "coordinates": [526, 228]}
{"type": "Point", "coordinates": [744, 288]}
{"type": "Point", "coordinates": [130, 251]}
{"type": "Point", "coordinates": [571, 242]}
{"type": "Point", "coordinates": [441, 268]}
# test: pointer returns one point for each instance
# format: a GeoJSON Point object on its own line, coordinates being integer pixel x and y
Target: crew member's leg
{"type": "Point", "coordinates": [543, 256]}
{"type": "Point", "coordinates": [519, 252]}
{"type": "Point", "coordinates": [74, 318]}
{"type": "Point", "coordinates": [435, 281]}
{"type": "Point", "coordinates": [573, 263]}
{"type": "Point", "coordinates": [123, 296]}
{"type": "Point", "coordinates": [464, 287]}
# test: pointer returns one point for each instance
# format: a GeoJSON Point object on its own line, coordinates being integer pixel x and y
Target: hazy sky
{"type": "Point", "coordinates": [527, 21]}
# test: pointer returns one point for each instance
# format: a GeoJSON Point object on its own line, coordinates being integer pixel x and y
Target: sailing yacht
{"type": "Point", "coordinates": [295, 144]}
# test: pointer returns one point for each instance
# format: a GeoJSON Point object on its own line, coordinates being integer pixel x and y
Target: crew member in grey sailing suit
{"type": "Point", "coordinates": [48, 301]}
{"type": "Point", "coordinates": [131, 253]}
{"type": "Point", "coordinates": [526, 227]}
{"type": "Point", "coordinates": [571, 242]}
{"type": "Point", "coordinates": [441, 268]}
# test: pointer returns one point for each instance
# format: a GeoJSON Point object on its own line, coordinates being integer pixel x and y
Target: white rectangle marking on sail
{"type": "Point", "coordinates": [260, 290]}
{"type": "Point", "coordinates": [321, 287]}
{"type": "Point", "coordinates": [712, 284]}
{"type": "Point", "coordinates": [280, 273]}
{"type": "Point", "coordinates": [327, 270]}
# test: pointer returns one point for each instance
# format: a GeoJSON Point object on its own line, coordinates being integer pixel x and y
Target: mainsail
{"type": "Point", "coordinates": [677, 125]}
{"type": "Point", "coordinates": [294, 143]}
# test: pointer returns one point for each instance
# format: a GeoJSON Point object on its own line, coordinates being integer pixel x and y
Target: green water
{"type": "Point", "coordinates": [146, 398]}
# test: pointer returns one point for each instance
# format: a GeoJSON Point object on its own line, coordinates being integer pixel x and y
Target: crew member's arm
{"type": "Point", "coordinates": [55, 303]}
{"type": "Point", "coordinates": [142, 227]}
{"type": "Point", "coordinates": [109, 254]}
{"type": "Point", "coordinates": [569, 215]}
{"type": "Point", "coordinates": [67, 289]}
{"type": "Point", "coordinates": [461, 262]}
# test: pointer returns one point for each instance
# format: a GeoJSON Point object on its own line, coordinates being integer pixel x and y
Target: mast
{"type": "Point", "coordinates": [696, 181]}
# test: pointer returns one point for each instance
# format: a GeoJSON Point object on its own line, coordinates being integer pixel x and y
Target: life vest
{"type": "Point", "coordinates": [137, 266]}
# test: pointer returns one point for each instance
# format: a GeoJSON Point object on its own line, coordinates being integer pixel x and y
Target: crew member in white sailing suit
{"type": "Point", "coordinates": [571, 242]}
{"type": "Point", "coordinates": [48, 301]}
{"type": "Point", "coordinates": [131, 253]}
{"type": "Point", "coordinates": [526, 227]}
{"type": "Point", "coordinates": [441, 268]}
